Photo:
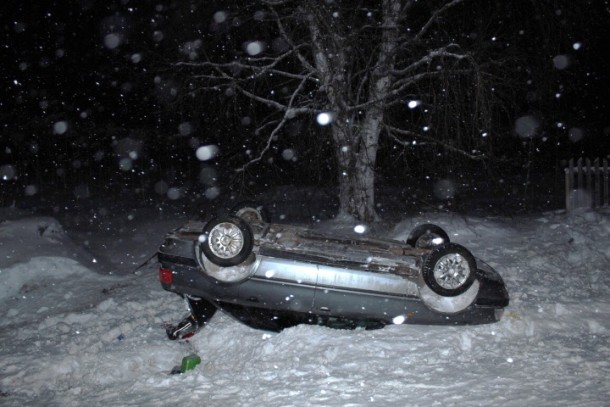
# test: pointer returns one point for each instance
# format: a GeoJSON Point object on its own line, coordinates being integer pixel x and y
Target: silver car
{"type": "Point", "coordinates": [272, 276]}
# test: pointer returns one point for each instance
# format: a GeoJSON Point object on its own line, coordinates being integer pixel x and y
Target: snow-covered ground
{"type": "Point", "coordinates": [79, 327]}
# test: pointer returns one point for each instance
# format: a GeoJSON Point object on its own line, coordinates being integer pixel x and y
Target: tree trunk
{"type": "Point", "coordinates": [356, 158]}
{"type": "Point", "coordinates": [356, 143]}
{"type": "Point", "coordinates": [356, 152]}
{"type": "Point", "coordinates": [357, 172]}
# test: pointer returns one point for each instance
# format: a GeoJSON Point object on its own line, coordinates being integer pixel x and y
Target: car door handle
{"type": "Point", "coordinates": [325, 309]}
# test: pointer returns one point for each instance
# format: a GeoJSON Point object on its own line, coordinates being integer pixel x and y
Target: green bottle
{"type": "Point", "coordinates": [189, 362]}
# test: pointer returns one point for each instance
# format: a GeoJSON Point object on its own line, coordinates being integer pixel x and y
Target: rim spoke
{"type": "Point", "coordinates": [226, 240]}
{"type": "Point", "coordinates": [451, 271]}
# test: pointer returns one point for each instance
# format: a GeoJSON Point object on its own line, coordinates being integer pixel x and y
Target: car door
{"type": "Point", "coordinates": [360, 293]}
{"type": "Point", "coordinates": [281, 284]}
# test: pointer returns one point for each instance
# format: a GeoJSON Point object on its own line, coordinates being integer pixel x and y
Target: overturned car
{"type": "Point", "coordinates": [272, 276]}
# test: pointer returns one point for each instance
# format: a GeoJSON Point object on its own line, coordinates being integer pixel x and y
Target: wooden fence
{"type": "Point", "coordinates": [587, 184]}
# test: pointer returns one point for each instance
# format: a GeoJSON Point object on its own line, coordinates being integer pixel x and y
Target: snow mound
{"type": "Point", "coordinates": [36, 253]}
{"type": "Point", "coordinates": [36, 273]}
{"type": "Point", "coordinates": [37, 236]}
{"type": "Point", "coordinates": [31, 227]}
{"type": "Point", "coordinates": [69, 334]}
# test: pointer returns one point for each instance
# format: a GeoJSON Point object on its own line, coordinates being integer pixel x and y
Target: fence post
{"type": "Point", "coordinates": [606, 202]}
{"type": "Point", "coordinates": [567, 185]}
{"type": "Point", "coordinates": [587, 183]}
{"type": "Point", "coordinates": [589, 180]}
{"type": "Point", "coordinates": [580, 181]}
{"type": "Point", "coordinates": [595, 169]}
{"type": "Point", "coordinates": [569, 173]}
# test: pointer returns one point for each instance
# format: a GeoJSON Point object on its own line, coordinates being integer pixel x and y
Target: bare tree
{"type": "Point", "coordinates": [391, 67]}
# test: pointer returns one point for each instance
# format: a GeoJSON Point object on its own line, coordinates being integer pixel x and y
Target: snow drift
{"type": "Point", "coordinates": [73, 334]}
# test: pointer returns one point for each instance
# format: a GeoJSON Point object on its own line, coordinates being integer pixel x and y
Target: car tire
{"type": "Point", "coordinates": [425, 236]}
{"type": "Point", "coordinates": [250, 212]}
{"type": "Point", "coordinates": [449, 270]}
{"type": "Point", "coordinates": [227, 241]}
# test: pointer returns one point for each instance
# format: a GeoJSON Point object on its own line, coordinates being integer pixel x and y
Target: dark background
{"type": "Point", "coordinates": [92, 110]}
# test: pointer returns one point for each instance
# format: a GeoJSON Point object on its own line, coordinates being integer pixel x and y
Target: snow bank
{"type": "Point", "coordinates": [34, 253]}
{"type": "Point", "coordinates": [71, 336]}
{"type": "Point", "coordinates": [34, 274]}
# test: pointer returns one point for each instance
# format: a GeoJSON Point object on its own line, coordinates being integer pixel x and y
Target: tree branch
{"type": "Point", "coordinates": [259, 70]}
{"type": "Point", "coordinates": [304, 62]}
{"type": "Point", "coordinates": [426, 59]}
{"type": "Point", "coordinates": [433, 19]}
{"type": "Point", "coordinates": [390, 130]}
{"type": "Point", "coordinates": [288, 114]}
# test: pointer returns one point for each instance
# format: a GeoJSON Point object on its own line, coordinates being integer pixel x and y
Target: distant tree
{"type": "Point", "coordinates": [442, 72]}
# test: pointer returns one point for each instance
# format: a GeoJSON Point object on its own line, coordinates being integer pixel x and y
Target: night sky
{"type": "Point", "coordinates": [79, 78]}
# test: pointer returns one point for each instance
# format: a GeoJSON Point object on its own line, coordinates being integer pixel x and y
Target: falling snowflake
{"type": "Point", "coordinates": [205, 153]}
{"type": "Point", "coordinates": [324, 118]}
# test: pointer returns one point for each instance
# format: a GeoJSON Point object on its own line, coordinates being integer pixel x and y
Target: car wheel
{"type": "Point", "coordinates": [449, 270]}
{"type": "Point", "coordinates": [227, 241]}
{"type": "Point", "coordinates": [427, 236]}
{"type": "Point", "coordinates": [250, 212]}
